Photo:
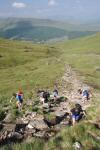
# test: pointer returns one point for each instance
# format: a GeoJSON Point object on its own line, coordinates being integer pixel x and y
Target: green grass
{"type": "Point", "coordinates": [27, 66]}
{"type": "Point", "coordinates": [40, 68]}
{"type": "Point", "coordinates": [84, 55]}
{"type": "Point", "coordinates": [36, 144]}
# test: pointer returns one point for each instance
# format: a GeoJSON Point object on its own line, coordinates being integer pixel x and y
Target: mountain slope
{"type": "Point", "coordinates": [40, 30]}
{"type": "Point", "coordinates": [36, 66]}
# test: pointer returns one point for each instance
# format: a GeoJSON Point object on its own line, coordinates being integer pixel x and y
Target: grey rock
{"type": "Point", "coordinates": [9, 127]}
{"type": "Point", "coordinates": [45, 105]}
{"type": "Point", "coordinates": [8, 118]}
{"type": "Point", "coordinates": [60, 113]}
{"type": "Point", "coordinates": [29, 102]}
{"type": "Point", "coordinates": [30, 114]}
{"type": "Point", "coordinates": [39, 134]}
{"type": "Point", "coordinates": [38, 124]}
{"type": "Point", "coordinates": [77, 146]}
{"type": "Point", "coordinates": [6, 108]}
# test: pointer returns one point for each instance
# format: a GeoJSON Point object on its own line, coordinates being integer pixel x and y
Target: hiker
{"type": "Point", "coordinates": [43, 95]}
{"type": "Point", "coordinates": [40, 94]}
{"type": "Point", "coordinates": [19, 99]}
{"type": "Point", "coordinates": [85, 92]}
{"type": "Point", "coordinates": [46, 96]}
{"type": "Point", "coordinates": [54, 94]}
{"type": "Point", "coordinates": [77, 113]}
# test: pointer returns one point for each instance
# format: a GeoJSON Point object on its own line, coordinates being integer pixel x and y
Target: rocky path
{"type": "Point", "coordinates": [69, 85]}
{"type": "Point", "coordinates": [34, 124]}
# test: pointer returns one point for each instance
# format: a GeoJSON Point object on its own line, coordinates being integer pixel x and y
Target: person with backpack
{"type": "Point", "coordinates": [46, 96]}
{"type": "Point", "coordinates": [85, 92]}
{"type": "Point", "coordinates": [43, 96]}
{"type": "Point", "coordinates": [77, 113]}
{"type": "Point", "coordinates": [54, 95]}
{"type": "Point", "coordinates": [19, 99]}
{"type": "Point", "coordinates": [40, 95]}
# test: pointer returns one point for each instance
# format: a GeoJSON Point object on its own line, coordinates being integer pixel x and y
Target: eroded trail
{"type": "Point", "coordinates": [69, 85]}
{"type": "Point", "coordinates": [34, 123]}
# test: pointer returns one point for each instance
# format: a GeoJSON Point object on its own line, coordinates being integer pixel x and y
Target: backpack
{"type": "Point", "coordinates": [46, 95]}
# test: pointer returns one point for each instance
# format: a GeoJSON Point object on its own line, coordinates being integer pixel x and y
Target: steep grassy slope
{"type": "Point", "coordinates": [32, 66]}
{"type": "Point", "coordinates": [84, 55]}
{"type": "Point", "coordinates": [27, 66]}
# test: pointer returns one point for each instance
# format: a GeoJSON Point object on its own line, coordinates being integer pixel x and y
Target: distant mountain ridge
{"type": "Point", "coordinates": [41, 30]}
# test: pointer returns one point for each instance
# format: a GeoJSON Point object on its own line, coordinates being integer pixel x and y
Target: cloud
{"type": "Point", "coordinates": [78, 1]}
{"type": "Point", "coordinates": [19, 5]}
{"type": "Point", "coordinates": [51, 2]}
{"type": "Point", "coordinates": [42, 10]}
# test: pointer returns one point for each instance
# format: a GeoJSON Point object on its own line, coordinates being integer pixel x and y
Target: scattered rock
{"type": "Point", "coordinates": [46, 110]}
{"type": "Point", "coordinates": [8, 118]}
{"type": "Point", "coordinates": [34, 124]}
{"type": "Point", "coordinates": [65, 123]}
{"type": "Point", "coordinates": [61, 113]}
{"type": "Point", "coordinates": [29, 132]}
{"type": "Point", "coordinates": [30, 114]}
{"type": "Point", "coordinates": [46, 105]}
{"type": "Point", "coordinates": [39, 134]}
{"type": "Point", "coordinates": [77, 146]}
{"type": "Point", "coordinates": [9, 127]}
{"type": "Point", "coordinates": [38, 124]}
{"type": "Point", "coordinates": [29, 103]}
{"type": "Point", "coordinates": [29, 126]}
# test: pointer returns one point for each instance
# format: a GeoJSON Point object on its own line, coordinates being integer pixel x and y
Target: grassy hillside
{"type": "Point", "coordinates": [84, 55]}
{"type": "Point", "coordinates": [30, 66]}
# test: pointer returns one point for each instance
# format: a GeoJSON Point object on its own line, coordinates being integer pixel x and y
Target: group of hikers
{"type": "Point", "coordinates": [44, 96]}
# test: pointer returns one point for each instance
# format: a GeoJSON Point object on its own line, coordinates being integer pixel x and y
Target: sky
{"type": "Point", "coordinates": [68, 10]}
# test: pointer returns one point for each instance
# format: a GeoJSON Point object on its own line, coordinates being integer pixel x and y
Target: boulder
{"type": "Point", "coordinates": [29, 114]}
{"type": "Point", "coordinates": [40, 134]}
{"type": "Point", "coordinates": [8, 118]}
{"type": "Point", "coordinates": [77, 146]}
{"type": "Point", "coordinates": [61, 113]}
{"type": "Point", "coordinates": [46, 105]}
{"type": "Point", "coordinates": [46, 110]}
{"type": "Point", "coordinates": [9, 127]}
{"type": "Point", "coordinates": [29, 132]}
{"type": "Point", "coordinates": [38, 124]}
